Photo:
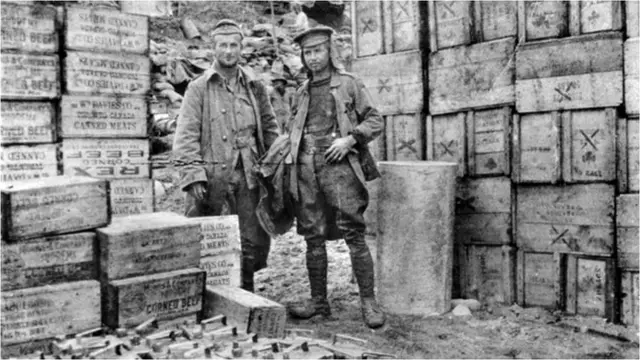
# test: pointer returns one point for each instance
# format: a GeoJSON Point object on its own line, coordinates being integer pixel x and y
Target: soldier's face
{"type": "Point", "coordinates": [228, 49]}
{"type": "Point", "coordinates": [316, 57]}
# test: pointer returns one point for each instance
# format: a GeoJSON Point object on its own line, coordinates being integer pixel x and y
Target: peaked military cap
{"type": "Point", "coordinates": [314, 36]}
{"type": "Point", "coordinates": [227, 27]}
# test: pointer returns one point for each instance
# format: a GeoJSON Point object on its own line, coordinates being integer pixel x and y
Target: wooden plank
{"type": "Point", "coordinates": [223, 269]}
{"type": "Point", "coordinates": [103, 116]}
{"type": "Point", "coordinates": [27, 122]}
{"type": "Point", "coordinates": [106, 158]}
{"type": "Point", "coordinates": [27, 349]}
{"type": "Point", "coordinates": [594, 286]}
{"type": "Point", "coordinates": [572, 218]}
{"type": "Point", "coordinates": [130, 302]}
{"type": "Point", "coordinates": [488, 134]}
{"type": "Point", "coordinates": [402, 25]}
{"type": "Point", "coordinates": [589, 145]}
{"type": "Point", "coordinates": [368, 29]}
{"type": "Point", "coordinates": [251, 312]}
{"type": "Point", "coordinates": [475, 76]}
{"type": "Point", "coordinates": [628, 234]}
{"type": "Point", "coordinates": [546, 19]}
{"type": "Point", "coordinates": [105, 30]}
{"type": "Point", "coordinates": [404, 137]}
{"type": "Point", "coordinates": [29, 28]}
{"type": "Point", "coordinates": [49, 260]}
{"type": "Point", "coordinates": [595, 90]}
{"type": "Point", "coordinates": [394, 81]}
{"type": "Point", "coordinates": [26, 162]}
{"type": "Point", "coordinates": [633, 18]}
{"type": "Point", "coordinates": [538, 280]}
{"type": "Point", "coordinates": [454, 22]}
{"type": "Point", "coordinates": [131, 197]}
{"type": "Point", "coordinates": [488, 228]}
{"type": "Point", "coordinates": [147, 244]}
{"type": "Point", "coordinates": [627, 145]}
{"type": "Point", "coordinates": [447, 139]}
{"type": "Point", "coordinates": [29, 77]}
{"type": "Point", "coordinates": [151, 8]}
{"type": "Point", "coordinates": [538, 148]}
{"type": "Point", "coordinates": [491, 274]}
{"type": "Point", "coordinates": [629, 311]}
{"type": "Point", "coordinates": [499, 19]}
{"type": "Point", "coordinates": [601, 15]}
{"type": "Point", "coordinates": [48, 311]}
{"type": "Point", "coordinates": [102, 73]}
{"type": "Point", "coordinates": [55, 205]}
{"type": "Point", "coordinates": [219, 234]}
{"type": "Point", "coordinates": [632, 76]}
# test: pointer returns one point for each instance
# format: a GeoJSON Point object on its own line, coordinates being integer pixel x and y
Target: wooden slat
{"type": "Point", "coordinates": [103, 116]}
{"type": "Point", "coordinates": [545, 19]}
{"type": "Point", "coordinates": [630, 298]}
{"type": "Point", "coordinates": [483, 228]}
{"type": "Point", "coordinates": [628, 234]}
{"type": "Point", "coordinates": [499, 19]}
{"type": "Point", "coordinates": [475, 76]}
{"type": "Point", "coordinates": [29, 28]}
{"type": "Point", "coordinates": [447, 140]}
{"type": "Point", "coordinates": [632, 76]}
{"type": "Point", "coordinates": [394, 81]}
{"type": "Point", "coordinates": [627, 145]}
{"type": "Point", "coordinates": [538, 280]}
{"type": "Point", "coordinates": [27, 122]}
{"type": "Point", "coordinates": [599, 15]}
{"type": "Point", "coordinates": [106, 158]}
{"type": "Point", "coordinates": [29, 77]}
{"type": "Point", "coordinates": [488, 135]}
{"type": "Point", "coordinates": [131, 196]}
{"type": "Point", "coordinates": [404, 137]}
{"type": "Point", "coordinates": [402, 25]}
{"type": "Point", "coordinates": [454, 23]}
{"type": "Point", "coordinates": [368, 28]}
{"type": "Point", "coordinates": [593, 287]}
{"type": "Point", "coordinates": [538, 148]}
{"type": "Point", "coordinates": [223, 269]}
{"type": "Point", "coordinates": [633, 18]}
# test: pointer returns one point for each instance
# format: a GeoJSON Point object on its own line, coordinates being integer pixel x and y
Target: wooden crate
{"type": "Point", "coordinates": [575, 284]}
{"type": "Point", "coordinates": [484, 211]}
{"type": "Point", "coordinates": [56, 205]}
{"type": "Point", "coordinates": [629, 298]}
{"type": "Point", "coordinates": [632, 15]}
{"type": "Point", "coordinates": [568, 219]}
{"type": "Point", "coordinates": [472, 77]}
{"type": "Point", "coordinates": [30, 28]}
{"type": "Point", "coordinates": [402, 25]}
{"type": "Point", "coordinates": [103, 116]}
{"type": "Point", "coordinates": [49, 260]}
{"type": "Point", "coordinates": [586, 72]}
{"type": "Point", "coordinates": [130, 302]}
{"type": "Point", "coordinates": [489, 141]}
{"type": "Point", "coordinates": [103, 73]}
{"type": "Point", "coordinates": [489, 274]}
{"type": "Point", "coordinates": [27, 122]}
{"type": "Point", "coordinates": [48, 311]}
{"type": "Point", "coordinates": [106, 158]}
{"type": "Point", "coordinates": [29, 77]}
{"type": "Point", "coordinates": [371, 213]}
{"type": "Point", "coordinates": [404, 136]}
{"type": "Point", "coordinates": [632, 76]}
{"type": "Point", "coordinates": [131, 197]}
{"type": "Point", "coordinates": [450, 23]}
{"type": "Point", "coordinates": [26, 162]}
{"type": "Point", "coordinates": [252, 313]}
{"type": "Point", "coordinates": [495, 20]}
{"type": "Point", "coordinates": [223, 269]}
{"type": "Point", "coordinates": [147, 244]}
{"type": "Point", "coordinates": [628, 144]}
{"type": "Point", "coordinates": [446, 140]}
{"type": "Point", "coordinates": [575, 146]}
{"type": "Point", "coordinates": [394, 81]}
{"type": "Point", "coordinates": [105, 30]}
{"type": "Point", "coordinates": [628, 235]}
{"type": "Point", "coordinates": [596, 16]}
{"type": "Point", "coordinates": [367, 28]}
{"type": "Point", "coordinates": [219, 234]}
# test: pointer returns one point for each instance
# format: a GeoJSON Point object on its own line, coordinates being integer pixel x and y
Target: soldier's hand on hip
{"type": "Point", "coordinates": [197, 190]}
{"type": "Point", "coordinates": [339, 149]}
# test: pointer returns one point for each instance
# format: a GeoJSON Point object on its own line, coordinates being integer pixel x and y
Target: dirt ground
{"type": "Point", "coordinates": [491, 332]}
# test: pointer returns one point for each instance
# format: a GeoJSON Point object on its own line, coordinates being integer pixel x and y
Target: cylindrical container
{"type": "Point", "coordinates": [415, 236]}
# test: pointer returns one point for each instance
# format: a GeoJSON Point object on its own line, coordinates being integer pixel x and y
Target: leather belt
{"type": "Point", "coordinates": [311, 144]}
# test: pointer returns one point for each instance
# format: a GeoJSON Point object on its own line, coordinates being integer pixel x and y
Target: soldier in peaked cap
{"type": "Point", "coordinates": [226, 123]}
{"type": "Point", "coordinates": [333, 121]}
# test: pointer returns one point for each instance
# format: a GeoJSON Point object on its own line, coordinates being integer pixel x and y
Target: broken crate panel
{"type": "Point", "coordinates": [629, 298]}
{"type": "Point", "coordinates": [628, 235]}
{"type": "Point", "coordinates": [48, 260]}
{"type": "Point", "coordinates": [367, 27]}
{"type": "Point", "coordinates": [132, 301]}
{"type": "Point", "coordinates": [27, 122]}
{"type": "Point", "coordinates": [29, 76]}
{"type": "Point", "coordinates": [628, 143]}
{"type": "Point", "coordinates": [250, 312]}
{"type": "Point", "coordinates": [483, 211]}
{"type": "Point", "coordinates": [27, 162]}
{"type": "Point", "coordinates": [446, 140]}
{"type": "Point", "coordinates": [489, 274]}
{"type": "Point", "coordinates": [631, 76]}
{"type": "Point", "coordinates": [131, 197]}
{"type": "Point", "coordinates": [85, 116]}
{"type": "Point", "coordinates": [106, 158]}
{"type": "Point", "coordinates": [402, 29]}
{"type": "Point", "coordinates": [576, 284]}
{"type": "Point", "coordinates": [568, 219]}
{"type": "Point", "coordinates": [394, 81]}
{"type": "Point", "coordinates": [472, 77]}
{"type": "Point", "coordinates": [49, 311]}
{"type": "Point", "coordinates": [632, 15]}
{"type": "Point", "coordinates": [105, 30]}
{"type": "Point", "coordinates": [451, 23]}
{"type": "Point", "coordinates": [404, 136]}
{"type": "Point", "coordinates": [147, 244]}
{"type": "Point", "coordinates": [573, 73]}
{"type": "Point", "coordinates": [56, 205]}
{"type": "Point", "coordinates": [29, 28]}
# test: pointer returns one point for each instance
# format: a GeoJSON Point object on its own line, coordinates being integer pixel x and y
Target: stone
{"type": "Point", "coordinates": [472, 304]}
{"type": "Point", "coordinates": [461, 310]}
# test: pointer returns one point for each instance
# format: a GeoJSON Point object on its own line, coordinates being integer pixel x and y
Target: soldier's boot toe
{"type": "Point", "coordinates": [311, 308]}
{"type": "Point", "coordinates": [372, 315]}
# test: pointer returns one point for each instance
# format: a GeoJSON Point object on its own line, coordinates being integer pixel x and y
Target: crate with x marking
{"type": "Point", "coordinates": [404, 137]}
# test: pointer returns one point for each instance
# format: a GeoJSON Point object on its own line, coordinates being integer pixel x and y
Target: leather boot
{"type": "Point", "coordinates": [363, 268]}
{"type": "Point", "coordinates": [317, 264]}
{"type": "Point", "coordinates": [247, 272]}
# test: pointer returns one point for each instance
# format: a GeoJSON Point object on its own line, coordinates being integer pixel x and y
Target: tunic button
{"type": "Point", "coordinates": [224, 138]}
{"type": "Point", "coordinates": [224, 111]}
{"type": "Point", "coordinates": [224, 166]}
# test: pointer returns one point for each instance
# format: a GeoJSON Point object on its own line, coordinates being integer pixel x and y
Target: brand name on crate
{"type": "Point", "coordinates": [165, 306]}
{"type": "Point", "coordinates": [24, 84]}
{"type": "Point", "coordinates": [19, 35]}
{"type": "Point", "coordinates": [182, 284]}
{"type": "Point", "coordinates": [49, 199]}
{"type": "Point", "coordinates": [9, 131]}
{"type": "Point", "coordinates": [216, 244]}
{"type": "Point", "coordinates": [56, 270]}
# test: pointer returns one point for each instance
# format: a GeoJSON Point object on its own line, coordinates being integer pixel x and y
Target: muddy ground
{"type": "Point", "coordinates": [492, 332]}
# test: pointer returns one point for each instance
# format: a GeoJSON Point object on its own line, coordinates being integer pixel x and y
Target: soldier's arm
{"type": "Point", "coordinates": [370, 123]}
{"type": "Point", "coordinates": [270, 129]}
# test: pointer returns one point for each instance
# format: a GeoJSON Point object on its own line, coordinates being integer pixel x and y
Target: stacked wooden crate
{"type": "Point", "coordinates": [104, 108]}
{"type": "Point", "coordinates": [30, 92]}
{"type": "Point", "coordinates": [49, 285]}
